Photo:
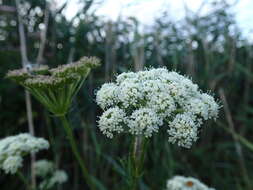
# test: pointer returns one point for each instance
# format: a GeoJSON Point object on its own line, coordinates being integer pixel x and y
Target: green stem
{"type": "Point", "coordinates": [24, 180]}
{"type": "Point", "coordinates": [75, 151]}
{"type": "Point", "coordinates": [138, 155]}
{"type": "Point", "coordinates": [77, 87]}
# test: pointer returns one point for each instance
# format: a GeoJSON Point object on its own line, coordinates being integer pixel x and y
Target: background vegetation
{"type": "Point", "coordinates": [209, 48]}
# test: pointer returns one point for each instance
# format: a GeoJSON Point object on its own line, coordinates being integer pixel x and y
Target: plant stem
{"type": "Point", "coordinates": [75, 151]}
{"type": "Point", "coordinates": [137, 149]}
{"type": "Point", "coordinates": [138, 154]}
{"type": "Point", "coordinates": [31, 131]}
{"type": "Point", "coordinates": [24, 180]}
{"type": "Point", "coordinates": [23, 50]}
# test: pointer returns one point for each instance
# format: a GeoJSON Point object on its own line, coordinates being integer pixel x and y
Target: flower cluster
{"type": "Point", "coordinates": [185, 183]}
{"type": "Point", "coordinates": [13, 148]}
{"type": "Point", "coordinates": [51, 176]}
{"type": "Point", "coordinates": [58, 177]}
{"type": "Point", "coordinates": [43, 167]}
{"type": "Point", "coordinates": [55, 88]}
{"type": "Point", "coordinates": [140, 103]}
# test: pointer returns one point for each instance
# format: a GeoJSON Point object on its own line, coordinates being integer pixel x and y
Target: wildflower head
{"type": "Point", "coordinates": [44, 168]}
{"type": "Point", "coordinates": [55, 88]}
{"type": "Point", "coordinates": [48, 82]}
{"type": "Point", "coordinates": [80, 68]}
{"type": "Point", "coordinates": [107, 95]}
{"type": "Point", "coordinates": [12, 163]}
{"type": "Point", "coordinates": [20, 75]}
{"type": "Point", "coordinates": [144, 121]}
{"type": "Point", "coordinates": [50, 176]}
{"type": "Point", "coordinates": [13, 148]}
{"type": "Point", "coordinates": [57, 178]}
{"type": "Point", "coordinates": [186, 183]}
{"type": "Point", "coordinates": [112, 121]}
{"type": "Point", "coordinates": [153, 98]}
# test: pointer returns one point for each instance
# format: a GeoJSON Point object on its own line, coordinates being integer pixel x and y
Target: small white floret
{"type": "Point", "coordinates": [112, 121]}
{"type": "Point", "coordinates": [186, 183]}
{"type": "Point", "coordinates": [144, 121]}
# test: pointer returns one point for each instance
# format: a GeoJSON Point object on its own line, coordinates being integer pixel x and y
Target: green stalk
{"type": "Point", "coordinates": [138, 157]}
{"type": "Point", "coordinates": [75, 151]}
{"type": "Point", "coordinates": [24, 180]}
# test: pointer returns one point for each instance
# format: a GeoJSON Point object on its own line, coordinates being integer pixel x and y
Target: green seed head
{"type": "Point", "coordinates": [18, 75]}
{"type": "Point", "coordinates": [81, 67]}
{"type": "Point", "coordinates": [91, 62]}
{"type": "Point", "coordinates": [45, 81]}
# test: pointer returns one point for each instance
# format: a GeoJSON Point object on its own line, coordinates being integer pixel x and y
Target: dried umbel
{"type": "Point", "coordinates": [186, 183]}
{"type": "Point", "coordinates": [55, 88]}
{"type": "Point", "coordinates": [140, 103]}
{"type": "Point", "coordinates": [50, 176]}
{"type": "Point", "coordinates": [14, 148]}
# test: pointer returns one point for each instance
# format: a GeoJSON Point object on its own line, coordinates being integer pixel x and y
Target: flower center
{"type": "Point", "coordinates": [189, 184]}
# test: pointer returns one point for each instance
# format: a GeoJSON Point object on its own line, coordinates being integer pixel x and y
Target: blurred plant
{"type": "Point", "coordinates": [185, 183]}
{"type": "Point", "coordinates": [14, 148]}
{"type": "Point", "coordinates": [140, 103]}
{"type": "Point", "coordinates": [49, 174]}
{"type": "Point", "coordinates": [44, 167]}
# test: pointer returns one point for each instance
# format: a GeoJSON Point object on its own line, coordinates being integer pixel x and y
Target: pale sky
{"type": "Point", "coordinates": [146, 10]}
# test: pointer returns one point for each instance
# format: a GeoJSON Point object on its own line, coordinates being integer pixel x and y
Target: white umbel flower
{"type": "Point", "coordinates": [197, 107]}
{"type": "Point", "coordinates": [162, 103]}
{"type": "Point", "coordinates": [57, 178]}
{"type": "Point", "coordinates": [49, 175]}
{"type": "Point", "coordinates": [172, 77]}
{"type": "Point", "coordinates": [203, 105]}
{"type": "Point", "coordinates": [140, 103]}
{"type": "Point", "coordinates": [144, 121]}
{"type": "Point", "coordinates": [130, 94]}
{"type": "Point", "coordinates": [43, 167]}
{"type": "Point", "coordinates": [183, 130]}
{"type": "Point", "coordinates": [125, 77]}
{"type": "Point", "coordinates": [107, 95]}
{"type": "Point", "coordinates": [152, 74]}
{"type": "Point", "coordinates": [186, 183]}
{"type": "Point", "coordinates": [13, 148]}
{"type": "Point", "coordinates": [112, 121]}
{"type": "Point", "coordinates": [212, 106]}
{"type": "Point", "coordinates": [12, 164]}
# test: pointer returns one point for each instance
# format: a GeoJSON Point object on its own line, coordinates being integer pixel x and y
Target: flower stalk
{"type": "Point", "coordinates": [138, 157]}
{"type": "Point", "coordinates": [75, 151]}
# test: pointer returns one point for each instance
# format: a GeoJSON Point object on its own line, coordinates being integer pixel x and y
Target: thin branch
{"type": "Point", "coordinates": [28, 101]}
{"type": "Point", "coordinates": [43, 34]}
{"type": "Point", "coordinates": [71, 55]}
{"type": "Point", "coordinates": [22, 36]}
